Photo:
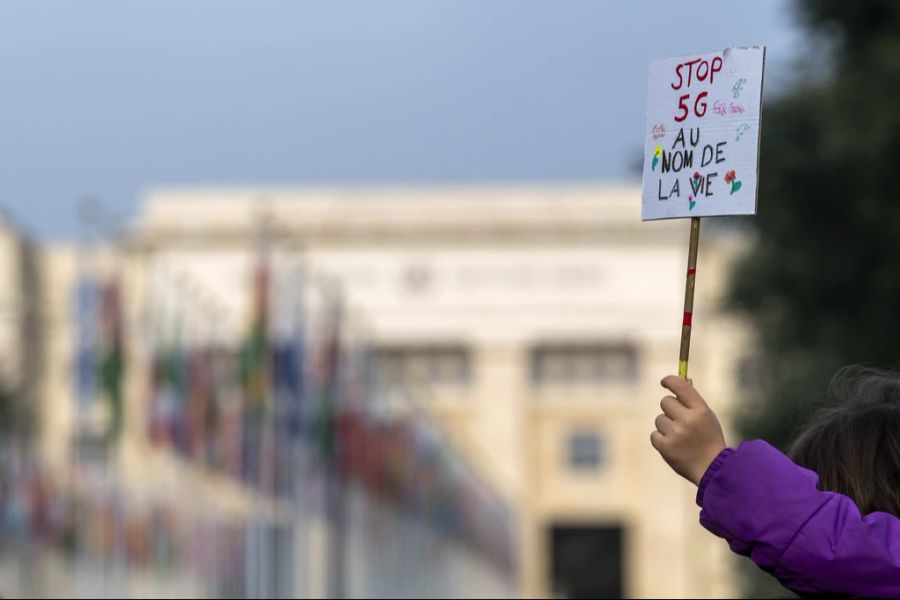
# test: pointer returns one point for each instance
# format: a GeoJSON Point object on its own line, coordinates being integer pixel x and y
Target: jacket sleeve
{"type": "Point", "coordinates": [814, 542]}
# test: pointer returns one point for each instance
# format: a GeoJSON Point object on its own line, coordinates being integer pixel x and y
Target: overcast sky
{"type": "Point", "coordinates": [111, 98]}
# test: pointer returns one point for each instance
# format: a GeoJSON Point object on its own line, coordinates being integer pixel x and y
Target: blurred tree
{"type": "Point", "coordinates": [821, 284]}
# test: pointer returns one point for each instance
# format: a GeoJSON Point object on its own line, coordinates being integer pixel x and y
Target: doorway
{"type": "Point", "coordinates": [586, 561]}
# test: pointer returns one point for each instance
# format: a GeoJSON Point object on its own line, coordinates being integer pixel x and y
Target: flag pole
{"type": "Point", "coordinates": [689, 299]}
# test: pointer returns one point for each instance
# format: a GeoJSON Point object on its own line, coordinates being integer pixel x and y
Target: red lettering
{"type": "Point", "coordinates": [704, 65]}
{"type": "Point", "coordinates": [680, 80]}
{"type": "Point", "coordinates": [697, 103]}
{"type": "Point", "coordinates": [700, 106]}
{"type": "Point", "coordinates": [683, 107]}
{"type": "Point", "coordinates": [715, 67]}
{"type": "Point", "coordinates": [706, 70]}
{"type": "Point", "coordinates": [690, 65]}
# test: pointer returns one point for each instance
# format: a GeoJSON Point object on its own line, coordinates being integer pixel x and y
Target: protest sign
{"type": "Point", "coordinates": [701, 147]}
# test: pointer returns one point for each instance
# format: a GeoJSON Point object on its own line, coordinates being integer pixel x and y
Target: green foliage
{"type": "Point", "coordinates": [821, 285]}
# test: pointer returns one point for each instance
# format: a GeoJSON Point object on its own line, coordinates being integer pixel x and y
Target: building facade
{"type": "Point", "coordinates": [532, 322]}
{"type": "Point", "coordinates": [188, 413]}
{"type": "Point", "coordinates": [20, 347]}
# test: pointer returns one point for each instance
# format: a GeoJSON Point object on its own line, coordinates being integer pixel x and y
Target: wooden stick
{"type": "Point", "coordinates": [689, 299]}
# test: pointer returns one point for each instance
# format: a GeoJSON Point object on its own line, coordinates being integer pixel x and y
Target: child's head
{"type": "Point", "coordinates": [855, 447]}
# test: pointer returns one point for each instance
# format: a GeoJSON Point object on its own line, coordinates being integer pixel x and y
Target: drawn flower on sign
{"type": "Point", "coordinates": [731, 177]}
{"type": "Point", "coordinates": [740, 131]}
{"type": "Point", "coordinates": [659, 131]}
{"type": "Point", "coordinates": [695, 183]}
{"type": "Point", "coordinates": [738, 87]}
{"type": "Point", "coordinates": [691, 203]}
{"type": "Point", "coordinates": [657, 152]}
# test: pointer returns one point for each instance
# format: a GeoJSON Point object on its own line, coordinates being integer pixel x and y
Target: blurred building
{"type": "Point", "coordinates": [207, 428]}
{"type": "Point", "coordinates": [531, 324]}
{"type": "Point", "coordinates": [20, 348]}
{"type": "Point", "coordinates": [534, 323]}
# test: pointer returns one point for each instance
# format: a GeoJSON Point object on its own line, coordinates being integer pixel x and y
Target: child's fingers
{"type": "Point", "coordinates": [683, 390]}
{"type": "Point", "coordinates": [664, 424]}
{"type": "Point", "coordinates": [672, 407]}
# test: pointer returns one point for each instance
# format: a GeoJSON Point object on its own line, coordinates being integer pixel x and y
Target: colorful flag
{"type": "Point", "coordinates": [112, 356]}
{"type": "Point", "coordinates": [175, 376]}
{"type": "Point", "coordinates": [86, 301]}
{"type": "Point", "coordinates": [327, 381]}
{"type": "Point", "coordinates": [255, 374]}
{"type": "Point", "coordinates": [254, 353]}
{"type": "Point", "coordinates": [288, 367]}
{"type": "Point", "coordinates": [161, 402]}
{"type": "Point", "coordinates": [288, 380]}
{"type": "Point", "coordinates": [167, 390]}
{"type": "Point", "coordinates": [200, 402]}
{"type": "Point", "coordinates": [288, 383]}
{"type": "Point", "coordinates": [231, 435]}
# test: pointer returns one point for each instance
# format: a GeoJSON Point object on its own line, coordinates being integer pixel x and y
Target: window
{"type": "Point", "coordinates": [583, 364]}
{"type": "Point", "coordinates": [585, 451]}
{"type": "Point", "coordinates": [401, 366]}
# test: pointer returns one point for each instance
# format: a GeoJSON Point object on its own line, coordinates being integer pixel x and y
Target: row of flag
{"type": "Point", "coordinates": [100, 359]}
{"type": "Point", "coordinates": [111, 538]}
{"type": "Point", "coordinates": [294, 401]}
{"type": "Point", "coordinates": [98, 525]}
{"type": "Point", "coordinates": [405, 462]}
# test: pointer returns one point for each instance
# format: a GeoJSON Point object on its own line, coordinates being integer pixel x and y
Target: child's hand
{"type": "Point", "coordinates": [688, 434]}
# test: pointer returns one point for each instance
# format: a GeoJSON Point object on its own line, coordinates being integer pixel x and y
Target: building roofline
{"type": "Point", "coordinates": [565, 212]}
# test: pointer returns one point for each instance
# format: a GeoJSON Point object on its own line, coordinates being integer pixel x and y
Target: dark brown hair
{"type": "Point", "coordinates": [855, 445]}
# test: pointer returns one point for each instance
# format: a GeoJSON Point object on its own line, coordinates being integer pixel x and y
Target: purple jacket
{"type": "Point", "coordinates": [814, 542]}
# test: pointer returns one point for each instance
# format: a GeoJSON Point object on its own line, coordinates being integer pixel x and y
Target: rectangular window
{"type": "Point", "coordinates": [585, 451]}
{"type": "Point", "coordinates": [583, 364]}
{"type": "Point", "coordinates": [427, 365]}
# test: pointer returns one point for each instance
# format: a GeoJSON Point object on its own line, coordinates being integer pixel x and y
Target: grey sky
{"type": "Point", "coordinates": [112, 98]}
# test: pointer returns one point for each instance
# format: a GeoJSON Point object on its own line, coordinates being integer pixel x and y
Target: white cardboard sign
{"type": "Point", "coordinates": [701, 150]}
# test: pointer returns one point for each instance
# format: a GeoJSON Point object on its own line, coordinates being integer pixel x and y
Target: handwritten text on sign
{"type": "Point", "coordinates": [701, 149]}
